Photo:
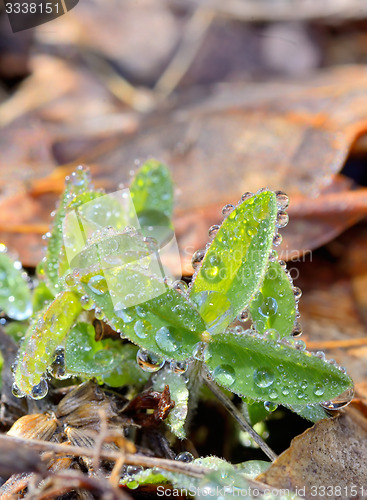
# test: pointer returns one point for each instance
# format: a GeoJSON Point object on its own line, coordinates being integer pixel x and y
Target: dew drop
{"type": "Point", "coordinates": [339, 402]}
{"type": "Point", "coordinates": [263, 377]}
{"type": "Point", "coordinates": [227, 209]}
{"type": "Point", "coordinates": [243, 316]}
{"type": "Point", "coordinates": [282, 200]}
{"type": "Point", "coordinates": [86, 302]}
{"type": "Point", "coordinates": [283, 264]}
{"type": "Point", "coordinates": [124, 315]}
{"type": "Point", "coordinates": [132, 483]}
{"type": "Point", "coordinates": [140, 312]}
{"type": "Point", "coordinates": [178, 366]}
{"type": "Point", "coordinates": [286, 341]}
{"type": "Point", "coordinates": [213, 230]}
{"type": "Point", "coordinates": [285, 391]}
{"type": "Point", "coordinates": [273, 256]}
{"type": "Point", "coordinates": [297, 293]}
{"type": "Point", "coordinates": [132, 470]}
{"type": "Point", "coordinates": [297, 329]}
{"type": "Point", "coordinates": [224, 375]}
{"type": "Point", "coordinates": [269, 406]}
{"type": "Point", "coordinates": [272, 334]}
{"type": "Point", "coordinates": [142, 328]}
{"type": "Point", "coordinates": [70, 279]}
{"type": "Point", "coordinates": [148, 361]}
{"type": "Point", "coordinates": [180, 286]}
{"type": "Point", "coordinates": [261, 213]}
{"type": "Point", "coordinates": [40, 390]}
{"type": "Point", "coordinates": [269, 307]}
{"type": "Point", "coordinates": [299, 345]}
{"type": "Point", "coordinates": [319, 390]}
{"type": "Point", "coordinates": [320, 355]}
{"type": "Point", "coordinates": [197, 258]}
{"type": "Point", "coordinates": [246, 196]}
{"type": "Point", "coordinates": [166, 341]}
{"type": "Point", "coordinates": [57, 368]}
{"type": "Point", "coordinates": [277, 240]}
{"type": "Point", "coordinates": [98, 284]}
{"type": "Point", "coordinates": [238, 329]}
{"type": "Point", "coordinates": [16, 391]}
{"type": "Point", "coordinates": [303, 384]}
{"type": "Point", "coordinates": [98, 313]}
{"type": "Point", "coordinates": [184, 456]}
{"type": "Point", "coordinates": [198, 352]}
{"type": "Point", "coordinates": [282, 219]}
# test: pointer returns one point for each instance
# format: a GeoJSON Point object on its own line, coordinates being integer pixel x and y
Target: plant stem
{"type": "Point", "coordinates": [230, 407]}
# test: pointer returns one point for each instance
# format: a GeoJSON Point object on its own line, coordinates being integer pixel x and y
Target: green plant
{"type": "Point", "coordinates": [104, 262]}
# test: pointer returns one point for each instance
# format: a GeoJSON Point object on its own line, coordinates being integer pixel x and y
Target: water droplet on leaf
{"type": "Point", "coordinates": [148, 361]}
{"type": "Point", "coordinates": [282, 200]}
{"type": "Point", "coordinates": [197, 258]}
{"type": "Point", "coordinates": [282, 219]}
{"type": "Point", "coordinates": [166, 341]}
{"type": "Point", "coordinates": [227, 209]}
{"type": "Point", "coordinates": [269, 406]}
{"type": "Point", "coordinates": [339, 402]}
{"type": "Point", "coordinates": [213, 230]}
{"type": "Point", "coordinates": [184, 456]}
{"type": "Point", "coordinates": [40, 390]}
{"type": "Point", "coordinates": [224, 375]}
{"type": "Point", "coordinates": [278, 238]}
{"type": "Point", "coordinates": [263, 377]}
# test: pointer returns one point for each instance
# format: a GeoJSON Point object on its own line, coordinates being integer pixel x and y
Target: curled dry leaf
{"type": "Point", "coordinates": [331, 454]}
{"type": "Point", "coordinates": [159, 402]}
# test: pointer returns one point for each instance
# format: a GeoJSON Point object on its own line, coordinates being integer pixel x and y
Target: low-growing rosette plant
{"type": "Point", "coordinates": [106, 268]}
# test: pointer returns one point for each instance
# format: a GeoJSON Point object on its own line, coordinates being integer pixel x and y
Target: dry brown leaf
{"type": "Point", "coordinates": [293, 137]}
{"type": "Point", "coordinates": [326, 459]}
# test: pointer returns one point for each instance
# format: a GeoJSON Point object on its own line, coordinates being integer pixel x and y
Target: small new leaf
{"type": "Point", "coordinates": [274, 305]}
{"type": "Point", "coordinates": [45, 334]}
{"type": "Point", "coordinates": [236, 261]}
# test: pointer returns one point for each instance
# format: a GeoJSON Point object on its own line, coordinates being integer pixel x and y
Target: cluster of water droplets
{"type": "Point", "coordinates": [39, 391]}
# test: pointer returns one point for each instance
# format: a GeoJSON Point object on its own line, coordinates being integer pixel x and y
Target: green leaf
{"type": "Point", "coordinates": [86, 357]}
{"type": "Point", "coordinates": [179, 394]}
{"type": "Point", "coordinates": [123, 277]}
{"type": "Point", "coordinates": [127, 372]}
{"type": "Point", "coordinates": [152, 189]}
{"type": "Point", "coordinates": [15, 296]}
{"type": "Point", "coordinates": [235, 262]}
{"type": "Point", "coordinates": [166, 324]}
{"type": "Point", "coordinates": [41, 295]}
{"type": "Point", "coordinates": [274, 305]}
{"type": "Point", "coordinates": [266, 370]}
{"type": "Point", "coordinates": [177, 479]}
{"type": "Point", "coordinates": [45, 334]}
{"type": "Point", "coordinates": [107, 360]}
{"type": "Point", "coordinates": [78, 182]}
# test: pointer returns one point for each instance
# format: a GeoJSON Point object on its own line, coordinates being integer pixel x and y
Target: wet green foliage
{"type": "Point", "coordinates": [237, 322]}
